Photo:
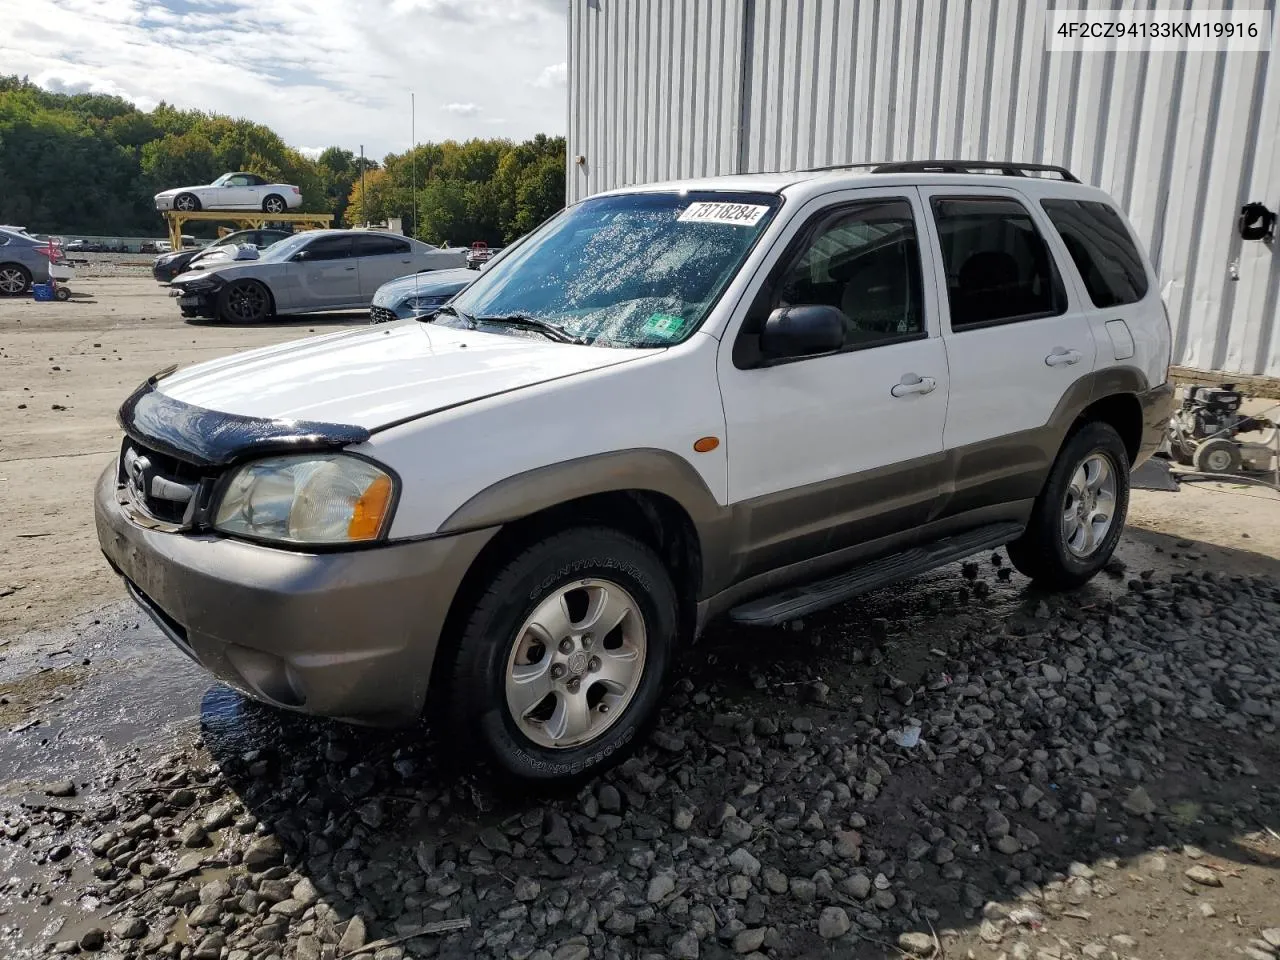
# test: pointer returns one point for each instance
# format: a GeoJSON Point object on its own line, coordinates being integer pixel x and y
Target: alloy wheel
{"type": "Point", "coordinates": [1090, 505]}
{"type": "Point", "coordinates": [247, 302]}
{"type": "Point", "coordinates": [576, 664]}
{"type": "Point", "coordinates": [12, 280]}
{"type": "Point", "coordinates": [274, 205]}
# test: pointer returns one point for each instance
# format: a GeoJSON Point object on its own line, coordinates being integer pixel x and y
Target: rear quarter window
{"type": "Point", "coordinates": [1103, 251]}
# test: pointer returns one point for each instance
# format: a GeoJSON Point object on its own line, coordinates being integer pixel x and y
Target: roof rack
{"type": "Point", "coordinates": [1006, 168]}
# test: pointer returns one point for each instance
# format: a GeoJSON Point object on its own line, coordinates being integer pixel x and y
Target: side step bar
{"type": "Point", "coordinates": [793, 602]}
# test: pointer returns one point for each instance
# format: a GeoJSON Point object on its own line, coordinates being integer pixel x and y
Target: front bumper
{"type": "Point", "coordinates": [164, 203]}
{"type": "Point", "coordinates": [349, 634]}
{"type": "Point", "coordinates": [203, 304]}
{"type": "Point", "coordinates": [1157, 407]}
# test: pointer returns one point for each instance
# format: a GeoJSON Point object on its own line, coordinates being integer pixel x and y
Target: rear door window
{"type": "Point", "coordinates": [1103, 251]}
{"type": "Point", "coordinates": [375, 246]}
{"type": "Point", "coordinates": [998, 267]}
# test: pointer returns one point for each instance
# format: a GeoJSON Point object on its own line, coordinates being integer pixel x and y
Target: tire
{"type": "Point", "coordinates": [244, 301]}
{"type": "Point", "coordinates": [15, 279]}
{"type": "Point", "coordinates": [186, 203]}
{"type": "Point", "coordinates": [539, 740]}
{"type": "Point", "coordinates": [1056, 550]}
{"type": "Point", "coordinates": [1217, 456]}
{"type": "Point", "coordinates": [62, 294]}
{"type": "Point", "coordinates": [274, 203]}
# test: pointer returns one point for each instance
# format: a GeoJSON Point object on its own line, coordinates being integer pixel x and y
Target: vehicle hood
{"type": "Point", "coordinates": [379, 375]}
{"type": "Point", "coordinates": [223, 269]}
{"type": "Point", "coordinates": [427, 284]}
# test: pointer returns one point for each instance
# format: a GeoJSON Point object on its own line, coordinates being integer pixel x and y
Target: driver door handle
{"type": "Point", "coordinates": [1062, 356]}
{"type": "Point", "coordinates": [912, 384]}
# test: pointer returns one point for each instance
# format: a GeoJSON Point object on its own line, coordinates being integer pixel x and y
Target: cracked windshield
{"type": "Point", "coordinates": [637, 270]}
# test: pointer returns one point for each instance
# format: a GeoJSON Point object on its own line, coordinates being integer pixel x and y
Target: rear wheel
{"type": "Point", "coordinates": [1079, 516]}
{"type": "Point", "coordinates": [561, 662]}
{"type": "Point", "coordinates": [14, 279]}
{"type": "Point", "coordinates": [186, 202]}
{"type": "Point", "coordinates": [244, 301]}
{"type": "Point", "coordinates": [274, 204]}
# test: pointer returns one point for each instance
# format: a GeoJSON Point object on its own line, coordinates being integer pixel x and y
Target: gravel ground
{"type": "Point", "coordinates": [1071, 756]}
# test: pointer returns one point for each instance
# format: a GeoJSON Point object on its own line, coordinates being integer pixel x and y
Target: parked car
{"type": "Point", "coordinates": [312, 271]}
{"type": "Point", "coordinates": [172, 263]}
{"type": "Point", "coordinates": [232, 191]}
{"type": "Point", "coordinates": [24, 260]}
{"type": "Point", "coordinates": [756, 396]}
{"type": "Point", "coordinates": [417, 295]}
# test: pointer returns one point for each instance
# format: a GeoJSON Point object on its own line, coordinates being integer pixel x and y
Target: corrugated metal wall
{"type": "Point", "coordinates": [674, 88]}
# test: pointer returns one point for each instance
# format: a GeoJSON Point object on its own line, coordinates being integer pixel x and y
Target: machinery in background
{"type": "Point", "coordinates": [1204, 433]}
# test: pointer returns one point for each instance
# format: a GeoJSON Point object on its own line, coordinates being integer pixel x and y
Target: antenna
{"type": "Point", "coordinates": [413, 178]}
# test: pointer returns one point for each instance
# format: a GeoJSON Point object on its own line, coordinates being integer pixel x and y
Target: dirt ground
{"type": "Point", "coordinates": [90, 693]}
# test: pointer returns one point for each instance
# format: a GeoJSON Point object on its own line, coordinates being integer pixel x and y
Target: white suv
{"type": "Point", "coordinates": [756, 396]}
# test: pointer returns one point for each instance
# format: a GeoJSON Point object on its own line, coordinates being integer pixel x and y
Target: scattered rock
{"type": "Point", "coordinates": [60, 788]}
{"type": "Point", "coordinates": [1139, 803]}
{"type": "Point", "coordinates": [1203, 876]}
{"type": "Point", "coordinates": [263, 854]}
{"type": "Point", "coordinates": [917, 944]}
{"type": "Point", "coordinates": [833, 923]}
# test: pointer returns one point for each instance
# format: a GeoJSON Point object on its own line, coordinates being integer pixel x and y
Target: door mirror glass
{"type": "Point", "coordinates": [802, 331]}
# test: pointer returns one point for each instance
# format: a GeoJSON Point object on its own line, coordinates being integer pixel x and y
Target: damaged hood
{"type": "Point", "coordinates": [382, 374]}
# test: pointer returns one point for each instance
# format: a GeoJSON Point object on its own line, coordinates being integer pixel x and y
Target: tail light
{"type": "Point", "coordinates": [51, 251]}
{"type": "Point", "coordinates": [297, 191]}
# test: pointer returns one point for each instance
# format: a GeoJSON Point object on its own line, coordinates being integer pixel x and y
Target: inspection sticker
{"type": "Point", "coordinates": [734, 214]}
{"type": "Point", "coordinates": [666, 326]}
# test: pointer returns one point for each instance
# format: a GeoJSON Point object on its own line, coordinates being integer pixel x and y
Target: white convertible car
{"type": "Point", "coordinates": [232, 191]}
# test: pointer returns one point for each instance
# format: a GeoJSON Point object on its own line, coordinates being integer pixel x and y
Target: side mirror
{"type": "Point", "coordinates": [802, 331]}
{"type": "Point", "coordinates": [302, 255]}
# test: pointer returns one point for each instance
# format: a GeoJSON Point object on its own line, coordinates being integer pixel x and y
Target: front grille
{"type": "Point", "coordinates": [163, 487]}
{"type": "Point", "coordinates": [381, 315]}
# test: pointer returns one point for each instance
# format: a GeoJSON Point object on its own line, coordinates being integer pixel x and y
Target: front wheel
{"type": "Point", "coordinates": [244, 301]}
{"type": "Point", "coordinates": [273, 204]}
{"type": "Point", "coordinates": [1079, 516]}
{"type": "Point", "coordinates": [186, 202]}
{"type": "Point", "coordinates": [562, 660]}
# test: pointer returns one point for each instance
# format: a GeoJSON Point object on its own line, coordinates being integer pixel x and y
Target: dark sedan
{"type": "Point", "coordinates": [169, 265]}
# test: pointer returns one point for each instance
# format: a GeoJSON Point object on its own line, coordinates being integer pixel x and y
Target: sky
{"type": "Point", "coordinates": [318, 72]}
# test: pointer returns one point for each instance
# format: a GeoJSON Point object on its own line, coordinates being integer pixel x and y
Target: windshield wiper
{"type": "Point", "coordinates": [552, 331]}
{"type": "Point", "coordinates": [466, 318]}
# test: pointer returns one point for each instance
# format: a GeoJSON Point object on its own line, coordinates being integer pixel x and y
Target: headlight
{"type": "Point", "coordinates": [200, 285]}
{"type": "Point", "coordinates": [321, 498]}
{"type": "Point", "coordinates": [423, 303]}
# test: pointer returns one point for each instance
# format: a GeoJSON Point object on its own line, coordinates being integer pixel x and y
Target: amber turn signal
{"type": "Point", "coordinates": [370, 510]}
{"type": "Point", "coordinates": [706, 444]}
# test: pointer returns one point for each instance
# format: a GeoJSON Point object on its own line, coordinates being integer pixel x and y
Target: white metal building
{"type": "Point", "coordinates": [674, 88]}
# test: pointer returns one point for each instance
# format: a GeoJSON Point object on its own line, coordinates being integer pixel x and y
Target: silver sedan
{"type": "Point", "coordinates": [307, 273]}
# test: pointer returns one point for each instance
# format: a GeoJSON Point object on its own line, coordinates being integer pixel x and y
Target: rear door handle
{"type": "Point", "coordinates": [1062, 356]}
{"type": "Point", "coordinates": [348, 268]}
{"type": "Point", "coordinates": [912, 384]}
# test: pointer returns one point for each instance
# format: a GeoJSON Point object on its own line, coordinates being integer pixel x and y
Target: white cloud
{"type": "Point", "coordinates": [316, 71]}
{"type": "Point", "coordinates": [553, 76]}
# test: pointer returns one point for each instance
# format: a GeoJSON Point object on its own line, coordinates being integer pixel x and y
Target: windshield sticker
{"type": "Point", "coordinates": [666, 326]}
{"type": "Point", "coordinates": [734, 214]}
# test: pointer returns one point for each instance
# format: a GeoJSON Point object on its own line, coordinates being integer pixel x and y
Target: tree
{"type": "Point", "coordinates": [90, 163]}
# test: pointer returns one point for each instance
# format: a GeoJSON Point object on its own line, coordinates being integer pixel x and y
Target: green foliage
{"type": "Point", "coordinates": [490, 190]}
{"type": "Point", "coordinates": [90, 163]}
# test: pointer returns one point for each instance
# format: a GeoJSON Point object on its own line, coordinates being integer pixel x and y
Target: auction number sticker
{"type": "Point", "coordinates": [734, 214]}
